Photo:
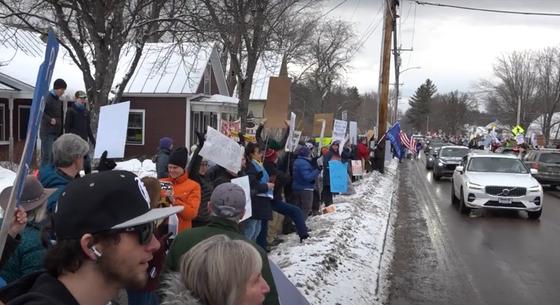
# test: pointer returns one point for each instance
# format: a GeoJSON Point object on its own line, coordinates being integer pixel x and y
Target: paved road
{"type": "Point", "coordinates": [442, 257]}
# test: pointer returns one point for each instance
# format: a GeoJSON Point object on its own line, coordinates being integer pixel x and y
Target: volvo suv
{"type": "Point", "coordinates": [495, 181]}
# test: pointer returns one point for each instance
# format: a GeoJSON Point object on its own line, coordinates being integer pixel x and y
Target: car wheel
{"type": "Point", "coordinates": [454, 199]}
{"type": "Point", "coordinates": [534, 215]}
{"type": "Point", "coordinates": [463, 209]}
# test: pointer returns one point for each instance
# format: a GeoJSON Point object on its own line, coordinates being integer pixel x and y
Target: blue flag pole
{"type": "Point", "coordinates": [36, 113]}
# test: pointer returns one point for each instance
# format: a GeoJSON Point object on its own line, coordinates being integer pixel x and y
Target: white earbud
{"type": "Point", "coordinates": [95, 251]}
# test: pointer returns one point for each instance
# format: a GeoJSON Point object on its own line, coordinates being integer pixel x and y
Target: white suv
{"type": "Point", "coordinates": [496, 181]}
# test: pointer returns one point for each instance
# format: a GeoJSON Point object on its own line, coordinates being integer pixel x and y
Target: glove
{"type": "Point", "coordinates": [105, 164]}
{"type": "Point", "coordinates": [200, 138]}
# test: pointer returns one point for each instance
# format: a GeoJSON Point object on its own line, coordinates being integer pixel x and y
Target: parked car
{"type": "Point", "coordinates": [496, 181]}
{"type": "Point", "coordinates": [547, 162]}
{"type": "Point", "coordinates": [433, 149]}
{"type": "Point", "coordinates": [447, 159]}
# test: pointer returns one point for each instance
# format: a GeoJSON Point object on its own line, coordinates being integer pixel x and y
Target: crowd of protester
{"type": "Point", "coordinates": [178, 238]}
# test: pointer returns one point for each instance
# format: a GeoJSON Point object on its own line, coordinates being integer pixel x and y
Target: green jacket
{"type": "Point", "coordinates": [191, 237]}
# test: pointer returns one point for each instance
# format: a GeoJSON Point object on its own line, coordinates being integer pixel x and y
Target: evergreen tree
{"type": "Point", "coordinates": [420, 106]}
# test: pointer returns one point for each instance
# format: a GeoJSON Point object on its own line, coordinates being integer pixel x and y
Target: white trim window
{"type": "Point", "coordinates": [23, 120]}
{"type": "Point", "coordinates": [136, 130]}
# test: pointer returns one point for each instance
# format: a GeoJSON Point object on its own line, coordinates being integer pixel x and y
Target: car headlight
{"type": "Point", "coordinates": [474, 186]}
{"type": "Point", "coordinates": [440, 163]}
{"type": "Point", "coordinates": [535, 189]}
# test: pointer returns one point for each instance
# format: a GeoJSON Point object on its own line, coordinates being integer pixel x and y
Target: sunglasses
{"type": "Point", "coordinates": [145, 232]}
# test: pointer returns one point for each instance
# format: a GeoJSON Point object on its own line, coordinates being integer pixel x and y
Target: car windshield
{"type": "Point", "coordinates": [454, 152]}
{"type": "Point", "coordinates": [497, 165]}
{"type": "Point", "coordinates": [550, 158]}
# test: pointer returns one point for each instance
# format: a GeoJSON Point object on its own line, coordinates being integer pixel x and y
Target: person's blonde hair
{"type": "Point", "coordinates": [217, 270]}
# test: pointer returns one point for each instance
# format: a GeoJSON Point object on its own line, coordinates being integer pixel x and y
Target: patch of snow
{"type": "Point", "coordinates": [147, 168]}
{"type": "Point", "coordinates": [7, 178]}
{"type": "Point", "coordinates": [344, 261]}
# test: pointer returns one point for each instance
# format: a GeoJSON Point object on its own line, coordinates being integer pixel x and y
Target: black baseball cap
{"type": "Point", "coordinates": [104, 201]}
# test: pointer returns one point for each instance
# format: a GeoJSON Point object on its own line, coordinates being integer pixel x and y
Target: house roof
{"type": "Point", "coordinates": [168, 68]}
{"type": "Point", "coordinates": [267, 66]}
{"type": "Point", "coordinates": [164, 68]}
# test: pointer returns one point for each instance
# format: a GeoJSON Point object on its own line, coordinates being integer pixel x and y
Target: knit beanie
{"type": "Point", "coordinates": [165, 142]}
{"type": "Point", "coordinates": [179, 157]}
{"type": "Point", "coordinates": [270, 155]}
{"type": "Point", "coordinates": [59, 84]}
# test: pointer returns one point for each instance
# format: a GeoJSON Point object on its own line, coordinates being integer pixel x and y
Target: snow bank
{"type": "Point", "coordinates": [147, 168]}
{"type": "Point", "coordinates": [7, 178]}
{"type": "Point", "coordinates": [342, 262]}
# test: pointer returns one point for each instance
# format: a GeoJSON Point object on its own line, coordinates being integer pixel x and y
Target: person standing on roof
{"type": "Point", "coordinates": [51, 123]}
{"type": "Point", "coordinates": [78, 121]}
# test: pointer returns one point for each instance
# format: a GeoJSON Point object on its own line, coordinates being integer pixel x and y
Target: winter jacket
{"type": "Point", "coordinates": [304, 175]}
{"type": "Point", "coordinates": [186, 192]}
{"type": "Point", "coordinates": [206, 189]}
{"type": "Point", "coordinates": [279, 177]}
{"type": "Point", "coordinates": [162, 160]}
{"type": "Point", "coordinates": [28, 256]}
{"type": "Point", "coordinates": [52, 177]}
{"type": "Point", "coordinates": [260, 195]}
{"type": "Point", "coordinates": [190, 238]}
{"type": "Point", "coordinates": [175, 292]}
{"type": "Point", "coordinates": [9, 248]}
{"type": "Point", "coordinates": [363, 151]}
{"type": "Point", "coordinates": [53, 109]}
{"type": "Point", "coordinates": [78, 122]}
{"type": "Point", "coordinates": [38, 288]}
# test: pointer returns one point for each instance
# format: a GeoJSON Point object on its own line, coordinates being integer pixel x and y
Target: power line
{"type": "Point", "coordinates": [487, 10]}
{"type": "Point", "coordinates": [332, 9]}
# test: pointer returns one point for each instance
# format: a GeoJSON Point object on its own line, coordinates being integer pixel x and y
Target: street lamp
{"type": "Point", "coordinates": [395, 110]}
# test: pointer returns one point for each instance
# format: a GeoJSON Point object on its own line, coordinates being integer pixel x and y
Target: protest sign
{"type": "Point", "coordinates": [243, 182]}
{"type": "Point", "coordinates": [357, 168]}
{"type": "Point", "coordinates": [339, 132]}
{"type": "Point", "coordinates": [277, 102]}
{"type": "Point", "coordinates": [289, 142]}
{"type": "Point", "coordinates": [295, 140]}
{"type": "Point", "coordinates": [35, 115]}
{"type": "Point", "coordinates": [288, 294]}
{"type": "Point", "coordinates": [520, 138]}
{"type": "Point", "coordinates": [221, 150]}
{"type": "Point", "coordinates": [317, 124]}
{"type": "Point", "coordinates": [353, 131]}
{"type": "Point", "coordinates": [338, 173]}
{"type": "Point", "coordinates": [111, 131]}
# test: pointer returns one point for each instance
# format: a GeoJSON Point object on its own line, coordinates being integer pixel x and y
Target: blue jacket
{"type": "Point", "coordinates": [303, 175]}
{"type": "Point", "coordinates": [51, 177]}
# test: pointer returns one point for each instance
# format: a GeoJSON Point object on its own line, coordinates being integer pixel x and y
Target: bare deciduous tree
{"type": "Point", "coordinates": [95, 33]}
{"type": "Point", "coordinates": [547, 64]}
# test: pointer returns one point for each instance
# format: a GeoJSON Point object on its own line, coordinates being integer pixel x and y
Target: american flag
{"type": "Point", "coordinates": [408, 142]}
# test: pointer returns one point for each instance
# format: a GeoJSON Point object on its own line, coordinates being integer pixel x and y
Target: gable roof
{"type": "Point", "coordinates": [164, 68]}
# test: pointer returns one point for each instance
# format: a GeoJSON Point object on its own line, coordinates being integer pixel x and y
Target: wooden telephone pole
{"type": "Point", "coordinates": [389, 15]}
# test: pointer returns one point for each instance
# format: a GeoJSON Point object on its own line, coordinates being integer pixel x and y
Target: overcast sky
{"type": "Point", "coordinates": [454, 48]}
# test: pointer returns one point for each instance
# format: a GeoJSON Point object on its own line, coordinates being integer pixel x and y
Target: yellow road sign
{"type": "Point", "coordinates": [517, 130]}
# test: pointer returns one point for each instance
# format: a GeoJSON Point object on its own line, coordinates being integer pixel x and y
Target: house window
{"type": "Point", "coordinates": [208, 80]}
{"type": "Point", "coordinates": [23, 119]}
{"type": "Point", "coordinates": [136, 127]}
{"type": "Point", "coordinates": [2, 122]}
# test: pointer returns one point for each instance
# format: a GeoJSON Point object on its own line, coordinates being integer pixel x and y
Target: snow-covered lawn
{"type": "Point", "coordinates": [345, 260]}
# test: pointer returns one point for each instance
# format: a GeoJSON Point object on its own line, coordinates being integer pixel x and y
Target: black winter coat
{"type": "Point", "coordinates": [38, 288]}
{"type": "Point", "coordinates": [206, 189]}
{"type": "Point", "coordinates": [78, 122]}
{"type": "Point", "coordinates": [161, 160]}
{"type": "Point", "coordinates": [53, 109]}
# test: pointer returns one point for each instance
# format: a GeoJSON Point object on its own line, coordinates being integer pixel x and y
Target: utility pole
{"type": "Point", "coordinates": [389, 15]}
{"type": "Point", "coordinates": [518, 110]}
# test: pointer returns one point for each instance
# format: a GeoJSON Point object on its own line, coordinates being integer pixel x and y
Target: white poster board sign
{"type": "Point", "coordinates": [243, 182]}
{"type": "Point", "coordinates": [221, 150]}
{"type": "Point", "coordinates": [295, 140]}
{"type": "Point", "coordinates": [111, 131]}
{"type": "Point", "coordinates": [357, 169]}
{"type": "Point", "coordinates": [520, 138]}
{"type": "Point", "coordinates": [353, 131]}
{"type": "Point", "coordinates": [289, 142]}
{"type": "Point", "coordinates": [339, 132]}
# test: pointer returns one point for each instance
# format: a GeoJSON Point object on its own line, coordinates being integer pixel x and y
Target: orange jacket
{"type": "Point", "coordinates": [186, 192]}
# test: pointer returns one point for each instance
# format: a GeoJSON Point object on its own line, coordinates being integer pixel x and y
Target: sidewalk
{"type": "Point", "coordinates": [346, 259]}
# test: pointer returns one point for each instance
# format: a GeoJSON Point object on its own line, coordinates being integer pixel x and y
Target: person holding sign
{"type": "Point", "coordinates": [227, 207]}
{"type": "Point", "coordinates": [332, 154]}
{"type": "Point", "coordinates": [185, 192]}
{"type": "Point", "coordinates": [261, 202]}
